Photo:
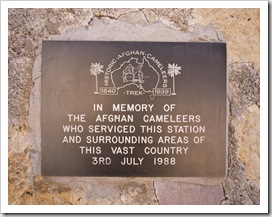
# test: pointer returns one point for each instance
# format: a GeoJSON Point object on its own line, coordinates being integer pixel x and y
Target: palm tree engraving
{"type": "Point", "coordinates": [173, 70]}
{"type": "Point", "coordinates": [95, 70]}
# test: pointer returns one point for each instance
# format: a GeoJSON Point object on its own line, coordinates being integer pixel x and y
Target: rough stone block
{"type": "Point", "coordinates": [180, 193]}
{"type": "Point", "coordinates": [248, 135]}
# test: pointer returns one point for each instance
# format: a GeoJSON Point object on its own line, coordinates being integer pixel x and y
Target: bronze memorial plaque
{"type": "Point", "coordinates": [133, 109]}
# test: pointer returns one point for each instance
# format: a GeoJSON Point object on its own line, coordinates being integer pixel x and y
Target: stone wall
{"type": "Point", "coordinates": [239, 28]}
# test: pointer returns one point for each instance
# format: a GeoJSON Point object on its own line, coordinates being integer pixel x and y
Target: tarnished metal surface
{"type": "Point", "coordinates": [133, 109]}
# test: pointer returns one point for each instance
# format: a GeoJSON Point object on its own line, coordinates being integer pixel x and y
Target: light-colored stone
{"type": "Point", "coordinates": [113, 13]}
{"type": "Point", "coordinates": [151, 16]}
{"type": "Point", "coordinates": [244, 93]}
{"type": "Point", "coordinates": [178, 18]}
{"type": "Point", "coordinates": [18, 180]}
{"type": "Point", "coordinates": [248, 136]}
{"type": "Point", "coordinates": [241, 28]}
{"type": "Point", "coordinates": [136, 18]}
{"type": "Point", "coordinates": [121, 30]}
{"type": "Point", "coordinates": [178, 193]}
{"type": "Point", "coordinates": [138, 193]}
{"type": "Point", "coordinates": [20, 84]}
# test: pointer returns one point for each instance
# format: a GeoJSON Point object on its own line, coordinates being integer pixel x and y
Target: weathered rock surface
{"type": "Point", "coordinates": [241, 29]}
{"type": "Point", "coordinates": [86, 191]}
{"type": "Point", "coordinates": [28, 27]}
{"type": "Point", "coordinates": [244, 87]}
{"type": "Point", "coordinates": [242, 183]}
{"type": "Point", "coordinates": [237, 188]}
{"type": "Point", "coordinates": [248, 137]}
{"type": "Point", "coordinates": [244, 95]}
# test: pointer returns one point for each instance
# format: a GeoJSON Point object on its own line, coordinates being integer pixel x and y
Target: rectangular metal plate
{"type": "Point", "coordinates": [133, 109]}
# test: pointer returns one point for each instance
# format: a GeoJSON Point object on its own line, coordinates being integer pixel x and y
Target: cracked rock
{"type": "Point", "coordinates": [136, 18]}
{"type": "Point", "coordinates": [177, 17]}
{"type": "Point", "coordinates": [136, 193]}
{"type": "Point", "coordinates": [113, 13]}
{"type": "Point", "coordinates": [242, 183]}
